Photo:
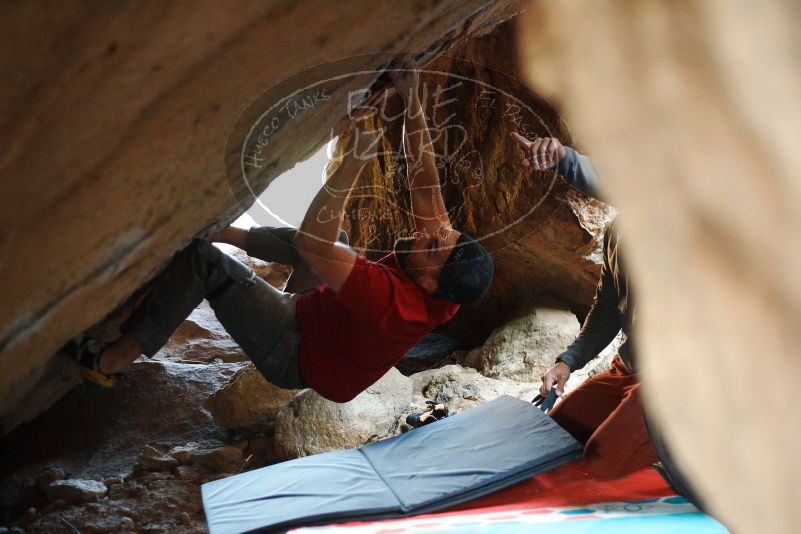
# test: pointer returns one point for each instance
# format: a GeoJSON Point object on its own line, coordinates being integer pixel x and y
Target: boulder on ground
{"type": "Point", "coordinates": [273, 273]}
{"type": "Point", "coordinates": [190, 473]}
{"type": "Point", "coordinates": [526, 347]}
{"type": "Point", "coordinates": [462, 388]}
{"type": "Point", "coordinates": [248, 403]}
{"type": "Point", "coordinates": [76, 491]}
{"type": "Point", "coordinates": [201, 339]}
{"type": "Point", "coordinates": [310, 424]}
{"type": "Point", "coordinates": [153, 460]}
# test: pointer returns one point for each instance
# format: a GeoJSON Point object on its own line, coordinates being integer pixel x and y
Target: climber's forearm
{"type": "Point", "coordinates": [428, 206]}
{"type": "Point", "coordinates": [231, 236]}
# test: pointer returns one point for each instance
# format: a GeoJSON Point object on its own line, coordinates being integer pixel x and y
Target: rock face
{"type": "Point", "coordinates": [543, 235]}
{"type": "Point", "coordinates": [248, 403]}
{"type": "Point", "coordinates": [159, 90]}
{"type": "Point", "coordinates": [526, 347]}
{"type": "Point", "coordinates": [310, 424]}
{"type": "Point", "coordinates": [712, 235]}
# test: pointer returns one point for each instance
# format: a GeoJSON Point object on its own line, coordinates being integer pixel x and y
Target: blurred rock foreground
{"type": "Point", "coordinates": [713, 231]}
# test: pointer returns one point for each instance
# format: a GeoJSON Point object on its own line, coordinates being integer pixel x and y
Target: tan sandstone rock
{"type": "Point", "coordinates": [310, 424]}
{"type": "Point", "coordinates": [692, 113]}
{"type": "Point", "coordinates": [76, 491]}
{"type": "Point", "coordinates": [183, 453]}
{"type": "Point", "coordinates": [115, 119]}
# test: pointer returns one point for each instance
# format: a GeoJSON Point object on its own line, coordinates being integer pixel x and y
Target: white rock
{"type": "Point", "coordinates": [310, 424]}
{"type": "Point", "coordinates": [526, 347]}
{"type": "Point", "coordinates": [462, 388]}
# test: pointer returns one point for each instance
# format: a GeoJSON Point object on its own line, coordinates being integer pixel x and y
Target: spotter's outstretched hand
{"type": "Point", "coordinates": [555, 377]}
{"type": "Point", "coordinates": [542, 153]}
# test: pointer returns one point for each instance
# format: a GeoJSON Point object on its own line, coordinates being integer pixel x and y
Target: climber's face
{"type": "Point", "coordinates": [423, 254]}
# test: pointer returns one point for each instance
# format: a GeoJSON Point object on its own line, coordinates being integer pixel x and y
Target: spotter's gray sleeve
{"type": "Point", "coordinates": [602, 323]}
{"type": "Point", "coordinates": [579, 172]}
{"type": "Point", "coordinates": [273, 244]}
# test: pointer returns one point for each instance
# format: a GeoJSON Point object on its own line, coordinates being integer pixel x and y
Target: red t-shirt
{"type": "Point", "coordinates": [350, 339]}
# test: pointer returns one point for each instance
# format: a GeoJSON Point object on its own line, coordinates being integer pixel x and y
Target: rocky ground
{"type": "Point", "coordinates": [160, 494]}
{"type": "Point", "coordinates": [133, 459]}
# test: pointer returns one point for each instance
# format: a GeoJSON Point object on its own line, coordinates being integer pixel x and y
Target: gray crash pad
{"type": "Point", "coordinates": [454, 460]}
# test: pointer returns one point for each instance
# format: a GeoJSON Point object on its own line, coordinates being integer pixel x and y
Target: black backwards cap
{"type": "Point", "coordinates": [467, 275]}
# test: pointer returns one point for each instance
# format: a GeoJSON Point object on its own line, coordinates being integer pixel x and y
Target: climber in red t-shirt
{"type": "Point", "coordinates": [345, 333]}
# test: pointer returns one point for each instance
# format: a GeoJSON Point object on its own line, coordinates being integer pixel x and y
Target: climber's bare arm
{"type": "Point", "coordinates": [317, 236]}
{"type": "Point", "coordinates": [231, 236]}
{"type": "Point", "coordinates": [428, 206]}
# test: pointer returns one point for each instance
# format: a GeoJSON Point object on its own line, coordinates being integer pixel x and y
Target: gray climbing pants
{"type": "Point", "coordinates": [259, 318]}
{"type": "Point", "coordinates": [278, 244]}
